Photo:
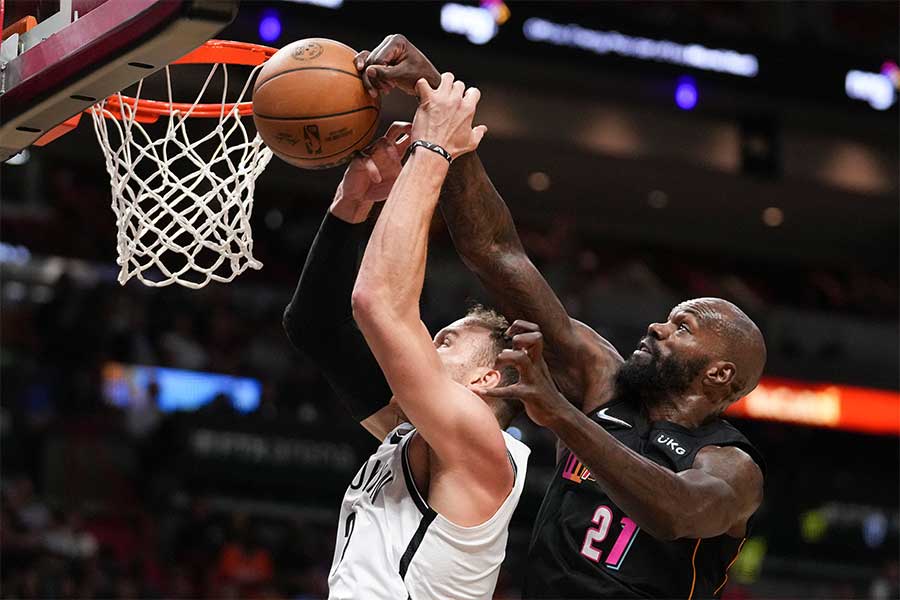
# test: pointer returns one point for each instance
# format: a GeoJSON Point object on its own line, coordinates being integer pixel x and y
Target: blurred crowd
{"type": "Point", "coordinates": [129, 552]}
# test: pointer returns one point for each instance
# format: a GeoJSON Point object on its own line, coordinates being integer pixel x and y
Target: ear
{"type": "Point", "coordinates": [720, 373]}
{"type": "Point", "coordinates": [488, 379]}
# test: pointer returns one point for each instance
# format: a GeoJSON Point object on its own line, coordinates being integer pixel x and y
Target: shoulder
{"type": "Point", "coordinates": [723, 457]}
{"type": "Point", "coordinates": [725, 435]}
{"type": "Point", "coordinates": [735, 467]}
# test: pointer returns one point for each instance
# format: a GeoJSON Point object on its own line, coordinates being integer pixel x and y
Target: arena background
{"type": "Point", "coordinates": [767, 176]}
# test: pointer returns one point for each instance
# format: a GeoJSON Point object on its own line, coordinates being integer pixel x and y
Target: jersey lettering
{"type": "Point", "coordinates": [603, 518]}
{"type": "Point", "coordinates": [375, 488]}
{"type": "Point", "coordinates": [379, 475]}
{"type": "Point", "coordinates": [669, 443]}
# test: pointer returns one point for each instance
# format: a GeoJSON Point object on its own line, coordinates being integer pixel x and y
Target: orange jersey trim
{"type": "Point", "coordinates": [694, 567]}
{"type": "Point", "coordinates": [736, 554]}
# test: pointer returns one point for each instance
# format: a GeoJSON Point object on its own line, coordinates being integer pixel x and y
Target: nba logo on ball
{"type": "Point", "coordinates": [312, 139]}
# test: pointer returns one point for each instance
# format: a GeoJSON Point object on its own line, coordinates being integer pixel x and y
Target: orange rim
{"type": "Point", "coordinates": [212, 52]}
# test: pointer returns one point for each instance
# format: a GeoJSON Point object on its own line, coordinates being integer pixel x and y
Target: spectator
{"type": "Point", "coordinates": [242, 561]}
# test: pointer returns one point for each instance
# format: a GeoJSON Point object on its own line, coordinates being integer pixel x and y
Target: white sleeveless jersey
{"type": "Point", "coordinates": [392, 546]}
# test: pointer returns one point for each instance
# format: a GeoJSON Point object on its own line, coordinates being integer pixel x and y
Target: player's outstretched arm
{"type": "Point", "coordinates": [716, 496]}
{"type": "Point", "coordinates": [486, 239]}
{"type": "Point", "coordinates": [318, 320]}
{"type": "Point", "coordinates": [457, 425]}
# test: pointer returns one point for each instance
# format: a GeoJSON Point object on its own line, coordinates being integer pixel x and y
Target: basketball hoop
{"type": "Point", "coordinates": [183, 206]}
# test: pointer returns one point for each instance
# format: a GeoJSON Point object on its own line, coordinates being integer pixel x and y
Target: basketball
{"type": "Point", "coordinates": [310, 106]}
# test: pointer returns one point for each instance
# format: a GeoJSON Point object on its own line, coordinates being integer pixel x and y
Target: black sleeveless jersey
{"type": "Point", "coordinates": [584, 546]}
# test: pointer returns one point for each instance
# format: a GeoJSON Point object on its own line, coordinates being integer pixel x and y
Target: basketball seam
{"type": "Point", "coordinates": [340, 114]}
{"type": "Point", "coordinates": [344, 149]}
{"type": "Point", "coordinates": [277, 75]}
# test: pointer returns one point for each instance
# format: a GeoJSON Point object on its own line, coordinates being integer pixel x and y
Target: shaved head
{"type": "Point", "coordinates": [741, 341]}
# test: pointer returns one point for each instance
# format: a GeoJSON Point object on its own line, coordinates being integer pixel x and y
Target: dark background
{"type": "Point", "coordinates": [626, 203]}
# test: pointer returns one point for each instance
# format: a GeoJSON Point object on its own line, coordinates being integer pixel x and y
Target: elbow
{"type": "Point", "coordinates": [663, 527]}
{"type": "Point", "coordinates": [288, 322]}
{"type": "Point", "coordinates": [293, 326]}
{"type": "Point", "coordinates": [667, 530]}
{"type": "Point", "coordinates": [304, 331]}
{"type": "Point", "coordinates": [369, 304]}
{"type": "Point", "coordinates": [700, 522]}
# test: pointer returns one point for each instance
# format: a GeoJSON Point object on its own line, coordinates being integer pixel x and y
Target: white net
{"type": "Point", "coordinates": [182, 206]}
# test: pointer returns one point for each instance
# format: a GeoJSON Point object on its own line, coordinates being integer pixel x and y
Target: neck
{"type": "Point", "coordinates": [504, 413]}
{"type": "Point", "coordinates": [689, 410]}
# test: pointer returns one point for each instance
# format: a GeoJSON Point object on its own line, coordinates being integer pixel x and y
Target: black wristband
{"type": "Point", "coordinates": [428, 145]}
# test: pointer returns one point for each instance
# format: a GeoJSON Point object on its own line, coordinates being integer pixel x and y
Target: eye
{"type": "Point", "coordinates": [684, 327]}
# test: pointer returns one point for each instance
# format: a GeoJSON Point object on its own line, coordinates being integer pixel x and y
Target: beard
{"type": "Point", "coordinates": [649, 381]}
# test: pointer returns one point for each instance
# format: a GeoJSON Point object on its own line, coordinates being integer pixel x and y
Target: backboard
{"type": "Point", "coordinates": [60, 57]}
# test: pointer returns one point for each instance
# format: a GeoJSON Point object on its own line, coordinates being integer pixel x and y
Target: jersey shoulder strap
{"type": "Point", "coordinates": [681, 445]}
{"type": "Point", "coordinates": [727, 434]}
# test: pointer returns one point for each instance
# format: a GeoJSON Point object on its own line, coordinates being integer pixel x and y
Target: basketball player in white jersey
{"type": "Point", "coordinates": [426, 516]}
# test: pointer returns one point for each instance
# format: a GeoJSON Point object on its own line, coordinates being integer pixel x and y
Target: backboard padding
{"type": "Point", "coordinates": [113, 46]}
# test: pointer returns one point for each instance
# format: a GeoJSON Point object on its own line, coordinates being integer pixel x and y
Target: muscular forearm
{"type": "Point", "coordinates": [485, 237]}
{"type": "Point", "coordinates": [479, 221]}
{"type": "Point", "coordinates": [393, 267]}
{"type": "Point", "coordinates": [661, 502]}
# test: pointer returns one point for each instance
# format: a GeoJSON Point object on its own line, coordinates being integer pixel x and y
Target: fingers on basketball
{"type": "Point", "coordinates": [359, 61]}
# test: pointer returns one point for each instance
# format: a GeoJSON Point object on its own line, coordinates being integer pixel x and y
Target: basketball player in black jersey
{"type": "Point", "coordinates": [653, 493]}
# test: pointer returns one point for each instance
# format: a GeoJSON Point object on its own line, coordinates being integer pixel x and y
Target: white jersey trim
{"type": "Point", "coordinates": [443, 521]}
{"type": "Point", "coordinates": [421, 503]}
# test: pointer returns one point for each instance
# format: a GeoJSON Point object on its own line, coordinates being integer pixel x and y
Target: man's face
{"type": "Point", "coordinates": [464, 347]}
{"type": "Point", "coordinates": [671, 357]}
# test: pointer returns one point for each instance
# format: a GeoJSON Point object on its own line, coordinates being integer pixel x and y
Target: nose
{"type": "Point", "coordinates": [657, 331]}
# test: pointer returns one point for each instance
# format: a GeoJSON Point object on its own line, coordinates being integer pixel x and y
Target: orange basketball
{"type": "Point", "coordinates": [310, 106]}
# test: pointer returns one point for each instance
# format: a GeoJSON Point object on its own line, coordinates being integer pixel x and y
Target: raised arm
{"type": "Point", "coordinates": [485, 237]}
{"type": "Point", "coordinates": [456, 424]}
{"type": "Point", "coordinates": [318, 320]}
